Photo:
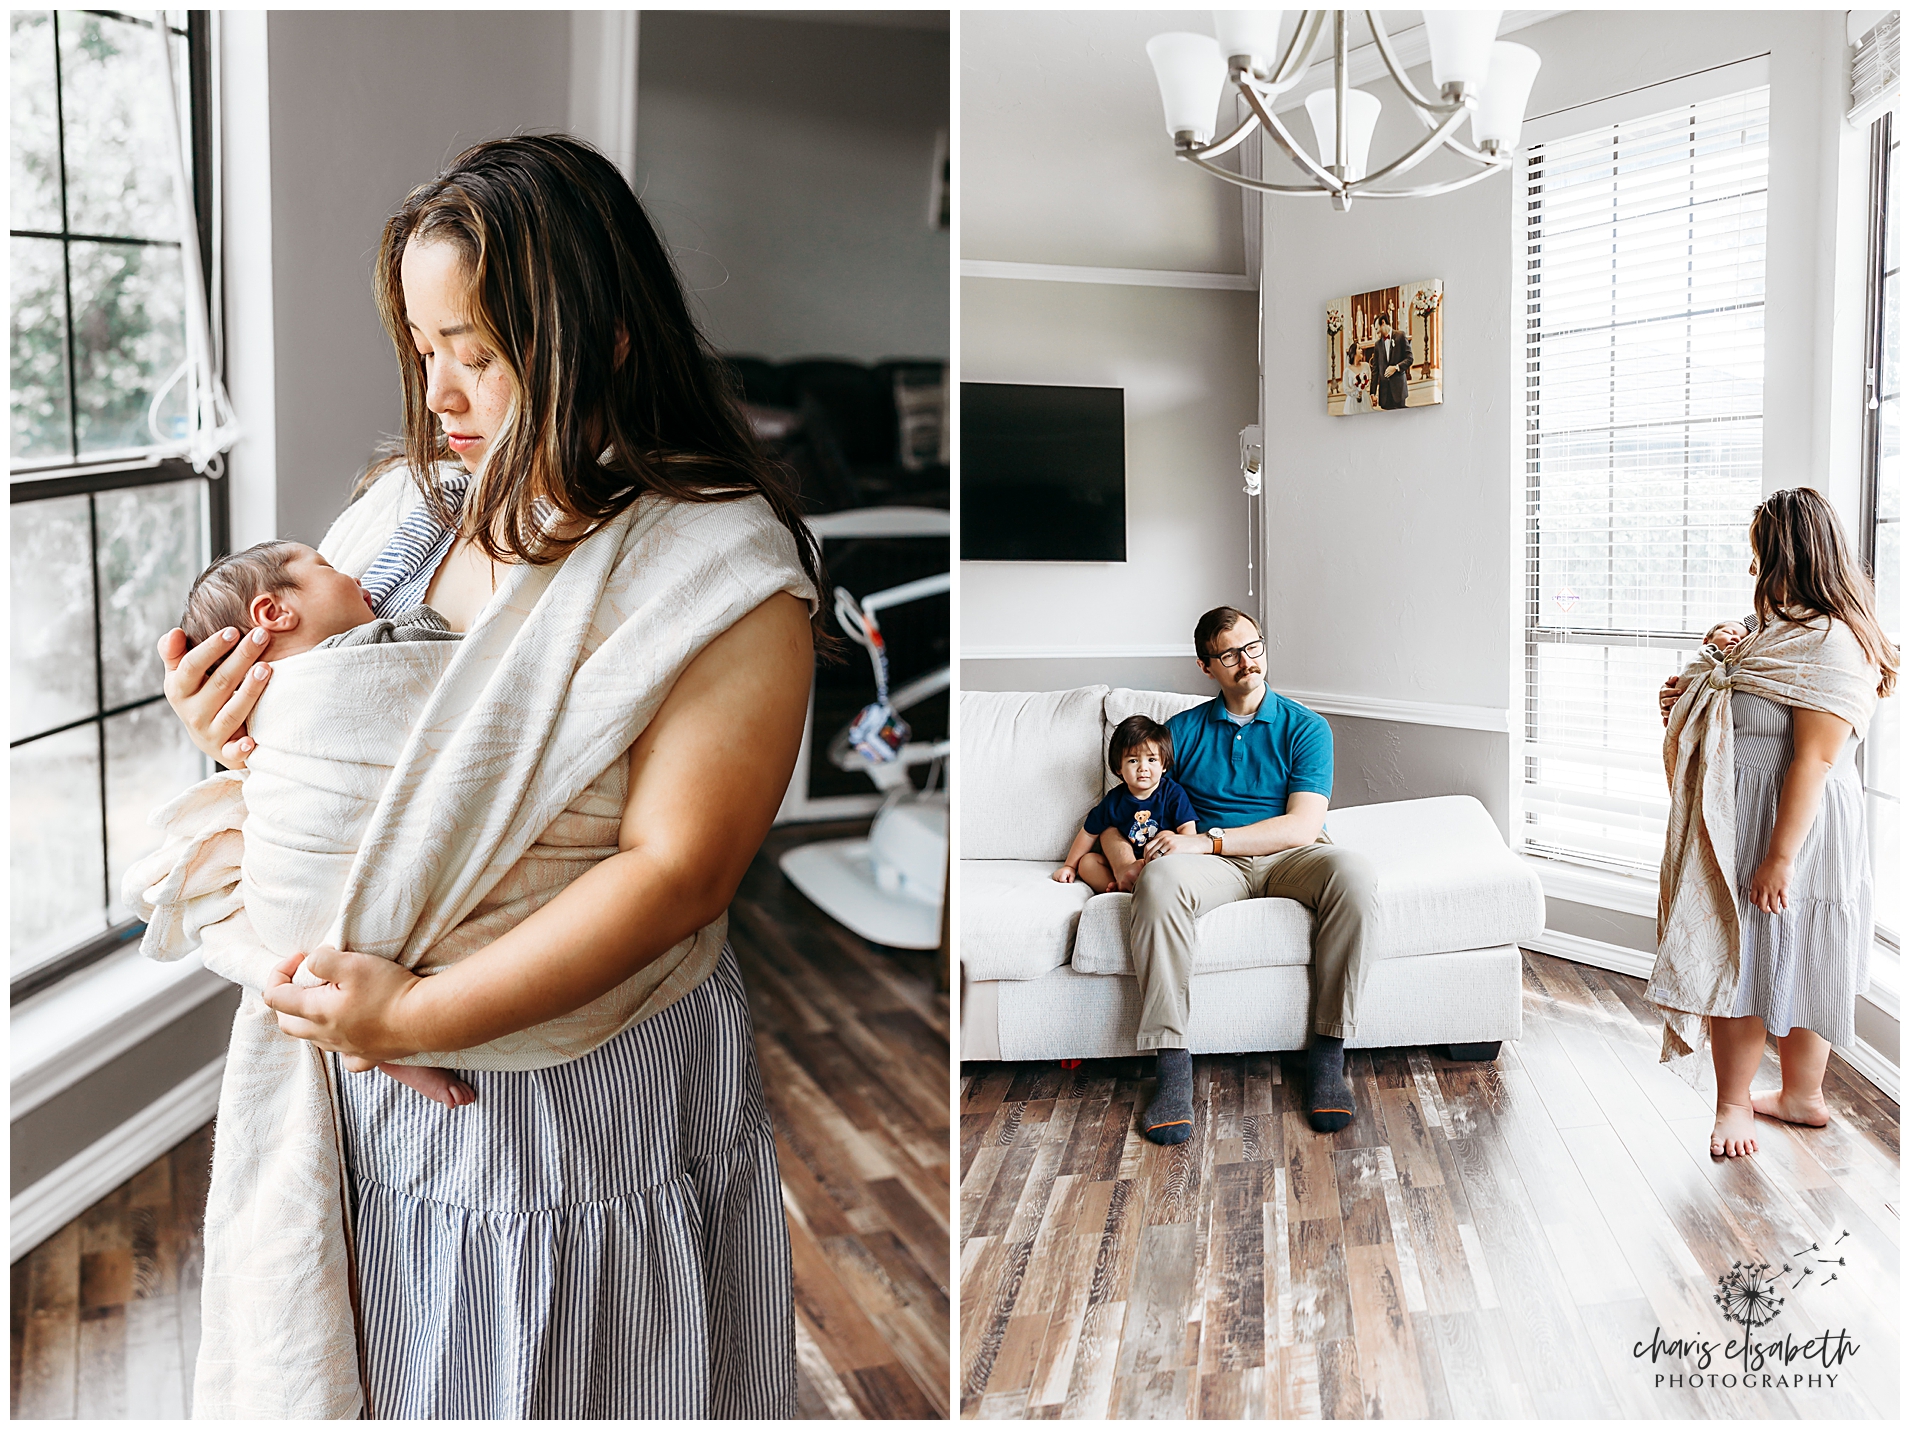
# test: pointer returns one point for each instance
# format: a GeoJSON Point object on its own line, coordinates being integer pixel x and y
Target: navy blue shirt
{"type": "Point", "coordinates": [1164, 810]}
{"type": "Point", "coordinates": [1241, 774]}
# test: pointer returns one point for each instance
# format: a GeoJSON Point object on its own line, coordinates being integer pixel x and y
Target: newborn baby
{"type": "Point", "coordinates": [298, 601]}
{"type": "Point", "coordinates": [1726, 634]}
{"type": "Point", "coordinates": [1720, 640]}
{"type": "Point", "coordinates": [294, 600]}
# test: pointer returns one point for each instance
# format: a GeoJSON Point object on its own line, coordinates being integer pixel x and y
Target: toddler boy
{"type": "Point", "coordinates": [1106, 853]}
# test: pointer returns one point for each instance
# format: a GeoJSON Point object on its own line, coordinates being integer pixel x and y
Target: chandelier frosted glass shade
{"type": "Point", "coordinates": [1479, 79]}
{"type": "Point", "coordinates": [1254, 33]}
{"type": "Point", "coordinates": [1461, 45]}
{"type": "Point", "coordinates": [1191, 73]}
{"type": "Point", "coordinates": [1501, 113]}
{"type": "Point", "coordinates": [1362, 113]}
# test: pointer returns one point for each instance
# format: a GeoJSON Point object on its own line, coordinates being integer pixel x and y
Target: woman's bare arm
{"type": "Point", "coordinates": [706, 778]}
{"type": "Point", "coordinates": [1817, 739]}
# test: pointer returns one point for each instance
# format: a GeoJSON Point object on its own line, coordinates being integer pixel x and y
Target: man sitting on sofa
{"type": "Point", "coordinates": [1259, 770]}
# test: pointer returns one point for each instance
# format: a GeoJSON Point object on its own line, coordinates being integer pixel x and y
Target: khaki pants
{"type": "Point", "coordinates": [1337, 885]}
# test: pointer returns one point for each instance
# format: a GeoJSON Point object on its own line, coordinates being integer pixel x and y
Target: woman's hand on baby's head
{"type": "Point", "coordinates": [212, 688]}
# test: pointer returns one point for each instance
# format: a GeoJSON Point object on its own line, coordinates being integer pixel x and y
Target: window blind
{"type": "Point", "coordinates": [1644, 387]}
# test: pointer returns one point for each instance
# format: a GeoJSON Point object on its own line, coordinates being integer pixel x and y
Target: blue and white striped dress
{"type": "Point", "coordinates": [599, 1240]}
{"type": "Point", "coordinates": [1805, 967]}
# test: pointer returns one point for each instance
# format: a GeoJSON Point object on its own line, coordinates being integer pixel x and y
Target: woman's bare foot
{"type": "Point", "coordinates": [1787, 1106]}
{"type": "Point", "coordinates": [1734, 1134]}
{"type": "Point", "coordinates": [438, 1084]}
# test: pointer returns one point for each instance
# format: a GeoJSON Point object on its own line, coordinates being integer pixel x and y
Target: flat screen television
{"type": "Point", "coordinates": [1044, 473]}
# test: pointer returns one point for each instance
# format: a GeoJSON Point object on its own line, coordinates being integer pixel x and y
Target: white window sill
{"type": "Point", "coordinates": [63, 1034]}
{"type": "Point", "coordinates": [1599, 888]}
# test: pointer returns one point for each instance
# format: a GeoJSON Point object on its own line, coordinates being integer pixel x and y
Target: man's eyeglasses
{"type": "Point", "coordinates": [1252, 650]}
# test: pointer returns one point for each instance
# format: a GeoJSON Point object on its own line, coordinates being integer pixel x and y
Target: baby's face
{"type": "Point", "coordinates": [1726, 634]}
{"type": "Point", "coordinates": [325, 603]}
{"type": "Point", "coordinates": [1141, 771]}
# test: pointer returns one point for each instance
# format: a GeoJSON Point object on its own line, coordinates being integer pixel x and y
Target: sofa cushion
{"type": "Point", "coordinates": [1446, 882]}
{"type": "Point", "coordinates": [1254, 933]}
{"type": "Point", "coordinates": [1031, 768]}
{"type": "Point", "coordinates": [1446, 878]}
{"type": "Point", "coordinates": [1017, 922]}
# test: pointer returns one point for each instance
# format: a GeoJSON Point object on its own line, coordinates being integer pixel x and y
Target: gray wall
{"type": "Point", "coordinates": [1392, 543]}
{"type": "Point", "coordinates": [364, 105]}
{"type": "Point", "coordinates": [68, 1124]}
{"type": "Point", "coordinates": [789, 164]}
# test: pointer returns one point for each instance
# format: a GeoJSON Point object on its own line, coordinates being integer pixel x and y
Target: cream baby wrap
{"type": "Point", "coordinates": [508, 783]}
{"type": "Point", "coordinates": [1813, 666]}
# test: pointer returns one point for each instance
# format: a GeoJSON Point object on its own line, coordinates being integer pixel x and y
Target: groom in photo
{"type": "Point", "coordinates": [1392, 362]}
{"type": "Point", "coordinates": [1258, 769]}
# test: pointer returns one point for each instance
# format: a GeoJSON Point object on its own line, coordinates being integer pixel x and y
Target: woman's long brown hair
{"type": "Point", "coordinates": [564, 270]}
{"type": "Point", "coordinates": [1805, 569]}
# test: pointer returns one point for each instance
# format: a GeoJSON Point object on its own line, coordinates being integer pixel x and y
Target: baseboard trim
{"type": "Point", "coordinates": [73, 1186]}
{"type": "Point", "coordinates": [1862, 1058]}
{"type": "Point", "coordinates": [1873, 1067]}
{"type": "Point", "coordinates": [1614, 958]}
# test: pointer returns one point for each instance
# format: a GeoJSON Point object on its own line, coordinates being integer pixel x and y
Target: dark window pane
{"type": "Point", "coordinates": [151, 545]}
{"type": "Point", "coordinates": [117, 114]}
{"type": "Point", "coordinates": [58, 855]}
{"type": "Point", "coordinates": [33, 192]}
{"type": "Point", "coordinates": [129, 338]}
{"type": "Point", "coordinates": [51, 623]}
{"type": "Point", "coordinates": [148, 761]}
{"type": "Point", "coordinates": [37, 312]}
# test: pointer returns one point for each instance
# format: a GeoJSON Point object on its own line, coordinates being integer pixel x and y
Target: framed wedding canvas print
{"type": "Point", "coordinates": [1383, 349]}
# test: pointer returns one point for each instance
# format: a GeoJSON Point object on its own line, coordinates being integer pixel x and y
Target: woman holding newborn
{"type": "Point", "coordinates": [599, 1234]}
{"type": "Point", "coordinates": [1764, 919]}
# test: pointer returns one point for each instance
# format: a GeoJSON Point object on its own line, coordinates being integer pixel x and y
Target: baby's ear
{"type": "Point", "coordinates": [270, 613]}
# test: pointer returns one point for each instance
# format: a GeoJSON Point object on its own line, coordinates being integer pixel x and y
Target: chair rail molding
{"type": "Point", "coordinates": [1120, 277]}
{"type": "Point", "coordinates": [1360, 707]}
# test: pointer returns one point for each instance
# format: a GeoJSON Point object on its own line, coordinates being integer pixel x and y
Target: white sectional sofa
{"type": "Point", "coordinates": [1045, 970]}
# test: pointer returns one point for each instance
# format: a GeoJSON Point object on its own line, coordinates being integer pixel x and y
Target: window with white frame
{"type": "Point", "coordinates": [109, 523]}
{"type": "Point", "coordinates": [1883, 515]}
{"type": "Point", "coordinates": [1644, 389]}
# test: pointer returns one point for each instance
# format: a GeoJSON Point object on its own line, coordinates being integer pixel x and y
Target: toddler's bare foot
{"type": "Point", "coordinates": [1787, 1106]}
{"type": "Point", "coordinates": [438, 1084]}
{"type": "Point", "coordinates": [1734, 1134]}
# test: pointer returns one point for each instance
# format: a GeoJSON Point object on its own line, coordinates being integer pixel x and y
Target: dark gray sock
{"type": "Point", "coordinates": [1170, 1116]}
{"type": "Point", "coordinates": [1329, 1100]}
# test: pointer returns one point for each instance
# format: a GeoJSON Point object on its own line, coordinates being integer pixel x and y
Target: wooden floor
{"type": "Point", "coordinates": [1488, 1240]}
{"type": "Point", "coordinates": [854, 1048]}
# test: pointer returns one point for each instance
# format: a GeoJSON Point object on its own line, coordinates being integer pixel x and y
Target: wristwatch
{"type": "Point", "coordinates": [1220, 843]}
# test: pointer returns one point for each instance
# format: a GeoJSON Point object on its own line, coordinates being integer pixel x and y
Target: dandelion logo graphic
{"type": "Point", "coordinates": [1748, 1295]}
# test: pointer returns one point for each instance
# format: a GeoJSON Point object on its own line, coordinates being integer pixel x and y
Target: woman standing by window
{"type": "Point", "coordinates": [1765, 893]}
{"type": "Point", "coordinates": [601, 1236]}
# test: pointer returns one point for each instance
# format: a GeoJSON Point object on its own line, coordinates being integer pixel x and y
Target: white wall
{"type": "Point", "coordinates": [789, 165]}
{"type": "Point", "coordinates": [1065, 158]}
{"type": "Point", "coordinates": [1041, 186]}
{"type": "Point", "coordinates": [1184, 359]}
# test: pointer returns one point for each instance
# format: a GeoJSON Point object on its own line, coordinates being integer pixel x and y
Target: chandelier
{"type": "Point", "coordinates": [1478, 78]}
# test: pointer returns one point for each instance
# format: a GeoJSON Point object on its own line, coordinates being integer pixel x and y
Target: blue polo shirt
{"type": "Point", "coordinates": [1240, 774]}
